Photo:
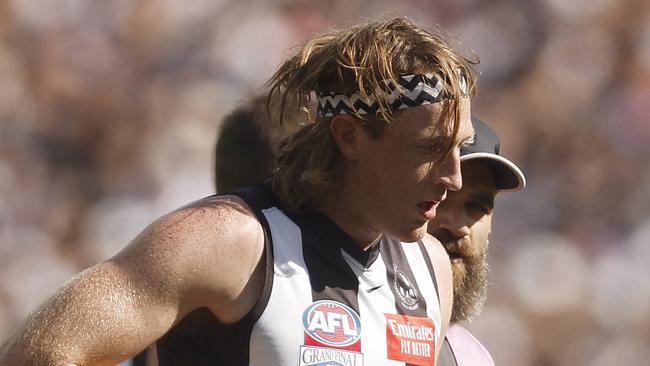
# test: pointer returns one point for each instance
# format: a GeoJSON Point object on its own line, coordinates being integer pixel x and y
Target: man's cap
{"type": "Point", "coordinates": [486, 146]}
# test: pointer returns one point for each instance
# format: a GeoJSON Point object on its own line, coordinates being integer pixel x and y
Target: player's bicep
{"type": "Point", "coordinates": [115, 309]}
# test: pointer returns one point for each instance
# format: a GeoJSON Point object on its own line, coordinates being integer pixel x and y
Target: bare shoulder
{"type": "Point", "coordinates": [213, 223]}
{"type": "Point", "coordinates": [435, 249]}
{"type": "Point", "coordinates": [440, 261]}
{"type": "Point", "coordinates": [206, 252]}
{"type": "Point", "coordinates": [441, 264]}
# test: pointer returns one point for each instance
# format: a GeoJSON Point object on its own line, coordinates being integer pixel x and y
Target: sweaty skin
{"type": "Point", "coordinates": [210, 253]}
{"type": "Point", "coordinates": [402, 167]}
{"type": "Point", "coordinates": [115, 309]}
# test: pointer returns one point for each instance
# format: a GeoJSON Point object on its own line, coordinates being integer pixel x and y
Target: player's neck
{"type": "Point", "coordinates": [340, 208]}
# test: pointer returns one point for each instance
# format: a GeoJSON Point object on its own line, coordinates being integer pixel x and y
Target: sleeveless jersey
{"type": "Point", "coordinates": [324, 302]}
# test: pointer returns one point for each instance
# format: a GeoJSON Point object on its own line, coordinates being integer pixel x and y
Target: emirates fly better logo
{"type": "Point", "coordinates": [410, 339]}
{"type": "Point", "coordinates": [329, 323]}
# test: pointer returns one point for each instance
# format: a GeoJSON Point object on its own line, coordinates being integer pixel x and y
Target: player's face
{"type": "Point", "coordinates": [463, 225]}
{"type": "Point", "coordinates": [403, 176]}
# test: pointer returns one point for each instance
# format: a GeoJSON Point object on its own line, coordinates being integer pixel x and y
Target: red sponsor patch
{"type": "Point", "coordinates": [410, 339]}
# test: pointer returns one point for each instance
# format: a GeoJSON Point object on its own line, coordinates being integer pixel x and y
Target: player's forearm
{"type": "Point", "coordinates": [95, 319]}
{"type": "Point", "coordinates": [35, 344]}
{"type": "Point", "coordinates": [29, 357]}
{"type": "Point", "coordinates": [20, 350]}
{"type": "Point", "coordinates": [55, 342]}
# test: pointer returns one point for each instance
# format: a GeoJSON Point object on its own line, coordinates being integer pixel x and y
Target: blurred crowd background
{"type": "Point", "coordinates": [109, 111]}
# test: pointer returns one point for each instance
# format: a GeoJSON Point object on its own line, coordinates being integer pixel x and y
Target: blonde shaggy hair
{"type": "Point", "coordinates": [355, 59]}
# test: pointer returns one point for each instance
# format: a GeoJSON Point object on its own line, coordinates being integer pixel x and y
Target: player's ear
{"type": "Point", "coordinates": [348, 134]}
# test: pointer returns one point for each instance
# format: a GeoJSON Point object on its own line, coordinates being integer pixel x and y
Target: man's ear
{"type": "Point", "coordinates": [348, 134]}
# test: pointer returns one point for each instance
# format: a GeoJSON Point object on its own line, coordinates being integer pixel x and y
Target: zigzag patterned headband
{"type": "Point", "coordinates": [410, 91]}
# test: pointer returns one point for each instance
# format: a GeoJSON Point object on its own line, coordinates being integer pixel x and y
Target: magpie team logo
{"type": "Point", "coordinates": [329, 323]}
{"type": "Point", "coordinates": [407, 293]}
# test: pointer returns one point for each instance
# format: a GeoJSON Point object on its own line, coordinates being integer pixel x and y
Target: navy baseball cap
{"type": "Point", "coordinates": [486, 146]}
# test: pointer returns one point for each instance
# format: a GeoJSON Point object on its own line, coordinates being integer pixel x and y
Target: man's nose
{"type": "Point", "coordinates": [449, 173]}
{"type": "Point", "coordinates": [452, 219]}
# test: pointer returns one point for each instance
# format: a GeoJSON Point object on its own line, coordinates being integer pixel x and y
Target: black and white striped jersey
{"type": "Point", "coordinates": [325, 302]}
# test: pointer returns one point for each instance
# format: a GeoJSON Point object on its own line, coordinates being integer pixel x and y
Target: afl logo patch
{"type": "Point", "coordinates": [332, 324]}
{"type": "Point", "coordinates": [407, 293]}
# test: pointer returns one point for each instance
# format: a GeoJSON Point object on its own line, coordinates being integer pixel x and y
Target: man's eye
{"type": "Point", "coordinates": [478, 208]}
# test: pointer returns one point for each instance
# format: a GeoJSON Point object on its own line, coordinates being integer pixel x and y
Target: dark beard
{"type": "Point", "coordinates": [470, 289]}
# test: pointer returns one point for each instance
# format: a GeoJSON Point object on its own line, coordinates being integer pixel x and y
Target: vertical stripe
{"type": "Point", "coordinates": [425, 281]}
{"type": "Point", "coordinates": [415, 295]}
{"type": "Point", "coordinates": [290, 295]}
{"type": "Point", "coordinates": [375, 299]}
{"type": "Point", "coordinates": [331, 279]}
{"type": "Point", "coordinates": [427, 260]}
{"type": "Point", "coordinates": [330, 276]}
{"type": "Point", "coordinates": [408, 298]}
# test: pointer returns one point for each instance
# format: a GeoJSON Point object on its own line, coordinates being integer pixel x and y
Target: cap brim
{"type": "Point", "coordinates": [508, 175]}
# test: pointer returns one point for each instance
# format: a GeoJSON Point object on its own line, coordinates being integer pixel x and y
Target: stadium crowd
{"type": "Point", "coordinates": [109, 112]}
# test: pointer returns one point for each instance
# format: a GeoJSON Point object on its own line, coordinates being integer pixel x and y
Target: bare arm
{"type": "Point", "coordinates": [117, 308]}
{"type": "Point", "coordinates": [442, 269]}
